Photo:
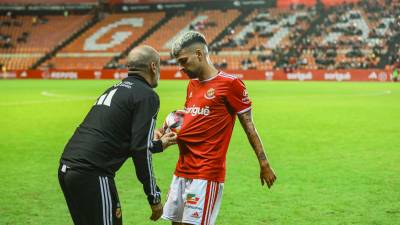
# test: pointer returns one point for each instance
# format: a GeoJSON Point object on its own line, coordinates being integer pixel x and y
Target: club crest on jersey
{"type": "Point", "coordinates": [210, 94]}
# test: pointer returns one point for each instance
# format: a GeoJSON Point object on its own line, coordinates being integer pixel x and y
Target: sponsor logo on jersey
{"type": "Point", "coordinates": [245, 98]}
{"type": "Point", "coordinates": [125, 84]}
{"type": "Point", "coordinates": [210, 94]}
{"type": "Point", "coordinates": [192, 199]}
{"type": "Point", "coordinates": [194, 110]}
{"type": "Point", "coordinates": [191, 94]}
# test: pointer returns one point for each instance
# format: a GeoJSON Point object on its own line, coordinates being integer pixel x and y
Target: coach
{"type": "Point", "coordinates": [120, 125]}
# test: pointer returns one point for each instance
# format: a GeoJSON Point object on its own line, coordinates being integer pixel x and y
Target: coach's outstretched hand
{"type": "Point", "coordinates": [157, 211]}
{"type": "Point", "coordinates": [168, 139]}
{"type": "Point", "coordinates": [158, 133]}
{"type": "Point", "coordinates": [267, 175]}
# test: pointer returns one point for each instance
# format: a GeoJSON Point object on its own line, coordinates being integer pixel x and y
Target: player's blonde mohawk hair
{"type": "Point", "coordinates": [185, 40]}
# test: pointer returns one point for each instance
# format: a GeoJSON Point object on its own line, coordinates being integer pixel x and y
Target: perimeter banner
{"type": "Point", "coordinates": [298, 75]}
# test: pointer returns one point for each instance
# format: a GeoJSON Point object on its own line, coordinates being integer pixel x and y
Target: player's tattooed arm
{"type": "Point", "coordinates": [248, 126]}
{"type": "Point", "coordinates": [267, 174]}
{"type": "Point", "coordinates": [262, 156]}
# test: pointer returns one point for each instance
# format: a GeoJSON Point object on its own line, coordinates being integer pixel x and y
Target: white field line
{"type": "Point", "coordinates": [50, 94]}
{"type": "Point", "coordinates": [52, 98]}
{"type": "Point", "coordinates": [327, 95]}
{"type": "Point", "coordinates": [387, 92]}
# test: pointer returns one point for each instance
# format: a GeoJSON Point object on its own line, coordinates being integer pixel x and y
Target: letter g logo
{"type": "Point", "coordinates": [117, 38]}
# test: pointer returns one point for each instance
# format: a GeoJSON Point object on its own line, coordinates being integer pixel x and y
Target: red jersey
{"type": "Point", "coordinates": [211, 107]}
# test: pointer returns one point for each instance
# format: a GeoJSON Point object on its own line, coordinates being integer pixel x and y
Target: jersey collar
{"type": "Point", "coordinates": [209, 79]}
{"type": "Point", "coordinates": [138, 77]}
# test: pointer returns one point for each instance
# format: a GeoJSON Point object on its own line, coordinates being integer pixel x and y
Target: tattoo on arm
{"type": "Point", "coordinates": [262, 156]}
{"type": "Point", "coordinates": [251, 132]}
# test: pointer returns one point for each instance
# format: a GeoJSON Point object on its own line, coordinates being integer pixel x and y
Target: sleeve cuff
{"type": "Point", "coordinates": [156, 198]}
{"type": "Point", "coordinates": [157, 147]}
{"type": "Point", "coordinates": [244, 110]}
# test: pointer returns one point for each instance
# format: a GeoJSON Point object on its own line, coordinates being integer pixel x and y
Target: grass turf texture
{"type": "Point", "coordinates": [334, 147]}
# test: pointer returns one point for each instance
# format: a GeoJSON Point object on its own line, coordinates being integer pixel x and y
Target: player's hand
{"type": "Point", "coordinates": [158, 133]}
{"type": "Point", "coordinates": [168, 139]}
{"type": "Point", "coordinates": [156, 211]}
{"type": "Point", "coordinates": [267, 175]}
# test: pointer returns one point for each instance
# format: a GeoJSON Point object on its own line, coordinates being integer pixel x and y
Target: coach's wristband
{"type": "Point", "coordinates": [157, 147]}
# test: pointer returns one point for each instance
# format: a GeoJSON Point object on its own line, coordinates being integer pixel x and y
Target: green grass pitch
{"type": "Point", "coordinates": [334, 146]}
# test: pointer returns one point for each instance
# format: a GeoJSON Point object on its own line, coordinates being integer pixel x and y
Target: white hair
{"type": "Point", "coordinates": [186, 40]}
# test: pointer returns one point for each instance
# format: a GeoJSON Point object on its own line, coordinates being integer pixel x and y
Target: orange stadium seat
{"type": "Point", "coordinates": [41, 37]}
{"type": "Point", "coordinates": [209, 22]}
{"type": "Point", "coordinates": [218, 20]}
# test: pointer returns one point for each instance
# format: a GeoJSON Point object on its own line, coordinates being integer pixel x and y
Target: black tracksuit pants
{"type": "Point", "coordinates": [91, 200]}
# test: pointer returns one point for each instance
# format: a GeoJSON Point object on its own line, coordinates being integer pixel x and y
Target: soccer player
{"type": "Point", "coordinates": [213, 100]}
{"type": "Point", "coordinates": [120, 125]}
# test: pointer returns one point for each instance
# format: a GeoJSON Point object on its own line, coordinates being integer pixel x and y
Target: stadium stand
{"type": "Point", "coordinates": [94, 48]}
{"type": "Point", "coordinates": [393, 57]}
{"type": "Point", "coordinates": [351, 36]}
{"type": "Point", "coordinates": [259, 40]}
{"type": "Point", "coordinates": [24, 39]}
{"type": "Point", "coordinates": [355, 35]}
{"type": "Point", "coordinates": [31, 2]}
{"type": "Point", "coordinates": [211, 22]}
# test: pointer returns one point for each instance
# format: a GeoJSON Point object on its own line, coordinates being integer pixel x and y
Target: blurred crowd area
{"type": "Point", "coordinates": [358, 35]}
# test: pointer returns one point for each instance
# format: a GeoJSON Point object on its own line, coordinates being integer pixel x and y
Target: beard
{"type": "Point", "coordinates": [190, 74]}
